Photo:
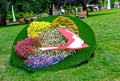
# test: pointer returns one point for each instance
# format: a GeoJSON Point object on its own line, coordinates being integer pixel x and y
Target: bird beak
{"type": "Point", "coordinates": [85, 45]}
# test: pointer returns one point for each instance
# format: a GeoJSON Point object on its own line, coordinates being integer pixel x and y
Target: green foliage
{"type": "Point", "coordinates": [4, 7]}
{"type": "Point", "coordinates": [22, 6]}
{"type": "Point", "coordinates": [37, 6]}
{"type": "Point", "coordinates": [112, 3]}
{"type": "Point", "coordinates": [26, 14]}
{"type": "Point", "coordinates": [81, 55]}
{"type": "Point", "coordinates": [9, 16]}
{"type": "Point", "coordinates": [20, 15]}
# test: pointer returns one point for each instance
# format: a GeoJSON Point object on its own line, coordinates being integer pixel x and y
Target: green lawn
{"type": "Point", "coordinates": [104, 66]}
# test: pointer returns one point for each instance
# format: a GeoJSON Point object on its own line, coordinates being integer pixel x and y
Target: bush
{"type": "Point", "coordinates": [9, 16]}
{"type": "Point", "coordinates": [27, 14]}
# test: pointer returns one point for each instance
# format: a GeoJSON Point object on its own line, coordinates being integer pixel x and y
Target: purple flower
{"type": "Point", "coordinates": [42, 60]}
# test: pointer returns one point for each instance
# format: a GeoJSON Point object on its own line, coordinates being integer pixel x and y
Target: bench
{"type": "Point", "coordinates": [11, 23]}
{"type": "Point", "coordinates": [83, 14]}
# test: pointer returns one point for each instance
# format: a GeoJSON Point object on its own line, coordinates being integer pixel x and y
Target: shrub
{"type": "Point", "coordinates": [35, 28]}
{"type": "Point", "coordinates": [27, 14]}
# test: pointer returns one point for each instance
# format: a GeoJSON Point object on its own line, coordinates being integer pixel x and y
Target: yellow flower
{"type": "Point", "coordinates": [35, 28]}
{"type": "Point", "coordinates": [65, 21]}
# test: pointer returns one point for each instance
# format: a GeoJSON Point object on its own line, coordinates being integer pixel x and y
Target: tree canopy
{"type": "Point", "coordinates": [3, 11]}
{"type": "Point", "coordinates": [37, 6]}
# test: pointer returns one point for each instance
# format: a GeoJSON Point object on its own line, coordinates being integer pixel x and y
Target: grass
{"type": "Point", "coordinates": [104, 66]}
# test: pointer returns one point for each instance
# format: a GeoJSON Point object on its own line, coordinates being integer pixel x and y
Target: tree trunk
{"type": "Point", "coordinates": [85, 8]}
{"type": "Point", "coordinates": [3, 11]}
{"type": "Point", "coordinates": [3, 20]}
{"type": "Point", "coordinates": [51, 10]}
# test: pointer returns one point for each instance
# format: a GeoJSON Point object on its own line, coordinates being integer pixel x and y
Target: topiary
{"type": "Point", "coordinates": [81, 55]}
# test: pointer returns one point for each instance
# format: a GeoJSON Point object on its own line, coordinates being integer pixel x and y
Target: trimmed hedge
{"type": "Point", "coordinates": [82, 55]}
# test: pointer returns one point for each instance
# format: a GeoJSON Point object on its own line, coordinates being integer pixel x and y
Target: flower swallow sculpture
{"type": "Point", "coordinates": [49, 43]}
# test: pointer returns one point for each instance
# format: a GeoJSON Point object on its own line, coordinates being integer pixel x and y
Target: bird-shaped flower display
{"type": "Point", "coordinates": [49, 43]}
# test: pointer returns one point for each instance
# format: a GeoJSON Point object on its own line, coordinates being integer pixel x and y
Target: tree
{"type": "Point", "coordinates": [3, 11]}
{"type": "Point", "coordinates": [39, 6]}
{"type": "Point", "coordinates": [58, 3]}
{"type": "Point", "coordinates": [22, 6]}
{"type": "Point", "coordinates": [50, 7]}
{"type": "Point", "coordinates": [83, 3]}
{"type": "Point", "coordinates": [48, 4]}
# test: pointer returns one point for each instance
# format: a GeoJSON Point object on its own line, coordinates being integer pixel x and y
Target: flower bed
{"type": "Point", "coordinates": [27, 53]}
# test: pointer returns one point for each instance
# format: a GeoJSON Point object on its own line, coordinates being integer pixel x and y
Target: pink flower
{"type": "Point", "coordinates": [26, 47]}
